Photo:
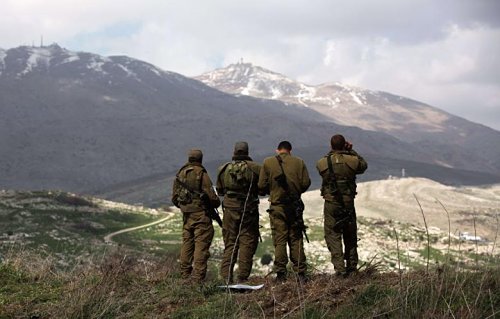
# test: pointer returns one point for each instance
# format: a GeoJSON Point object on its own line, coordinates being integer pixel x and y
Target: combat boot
{"type": "Point", "coordinates": [280, 277]}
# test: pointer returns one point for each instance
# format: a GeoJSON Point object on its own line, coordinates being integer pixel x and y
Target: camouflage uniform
{"type": "Point", "coordinates": [197, 229]}
{"type": "Point", "coordinates": [284, 226]}
{"type": "Point", "coordinates": [240, 225]}
{"type": "Point", "coordinates": [340, 222]}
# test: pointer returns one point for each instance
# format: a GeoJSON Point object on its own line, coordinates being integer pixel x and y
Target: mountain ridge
{"type": "Point", "coordinates": [407, 119]}
{"type": "Point", "coordinates": [81, 122]}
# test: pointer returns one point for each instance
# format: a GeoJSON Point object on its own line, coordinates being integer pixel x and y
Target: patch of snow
{"type": "Point", "coordinates": [109, 98]}
{"type": "Point", "coordinates": [443, 164]}
{"type": "Point", "coordinates": [355, 98]}
{"type": "Point", "coordinates": [127, 71]}
{"type": "Point", "coordinates": [38, 56]}
{"type": "Point", "coordinates": [305, 93]}
{"type": "Point", "coordinates": [250, 87]}
{"type": "Point", "coordinates": [276, 93]}
{"type": "Point", "coordinates": [245, 91]}
{"type": "Point", "coordinates": [96, 63]}
{"type": "Point", "coordinates": [155, 71]}
{"type": "Point", "coordinates": [72, 57]}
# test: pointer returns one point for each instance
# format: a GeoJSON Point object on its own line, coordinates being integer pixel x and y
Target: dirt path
{"type": "Point", "coordinates": [109, 238]}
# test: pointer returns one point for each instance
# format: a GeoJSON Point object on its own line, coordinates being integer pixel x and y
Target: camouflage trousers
{"type": "Point", "coordinates": [240, 248]}
{"type": "Point", "coordinates": [197, 235]}
{"type": "Point", "coordinates": [341, 226]}
{"type": "Point", "coordinates": [286, 232]}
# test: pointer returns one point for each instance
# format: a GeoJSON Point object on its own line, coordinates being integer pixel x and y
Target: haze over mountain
{"type": "Point", "coordinates": [454, 138]}
{"type": "Point", "coordinates": [120, 127]}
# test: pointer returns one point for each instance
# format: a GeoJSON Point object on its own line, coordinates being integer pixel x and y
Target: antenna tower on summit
{"type": "Point", "coordinates": [41, 41]}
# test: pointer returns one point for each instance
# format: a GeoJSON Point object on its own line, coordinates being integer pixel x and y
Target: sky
{"type": "Point", "coordinates": [442, 52]}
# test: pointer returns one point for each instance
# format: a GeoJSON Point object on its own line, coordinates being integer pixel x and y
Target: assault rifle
{"type": "Point", "coordinates": [211, 211]}
{"type": "Point", "coordinates": [295, 200]}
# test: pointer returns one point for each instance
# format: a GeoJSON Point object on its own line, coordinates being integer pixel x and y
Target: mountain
{"type": "Point", "coordinates": [119, 128]}
{"type": "Point", "coordinates": [457, 142]}
{"type": "Point", "coordinates": [80, 121]}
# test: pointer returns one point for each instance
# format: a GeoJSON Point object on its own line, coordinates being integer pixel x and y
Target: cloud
{"type": "Point", "coordinates": [443, 52]}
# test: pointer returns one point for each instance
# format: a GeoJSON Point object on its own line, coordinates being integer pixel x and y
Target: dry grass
{"type": "Point", "coordinates": [122, 286]}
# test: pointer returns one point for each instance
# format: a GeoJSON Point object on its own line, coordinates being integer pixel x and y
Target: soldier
{"type": "Point", "coordinates": [284, 177]}
{"type": "Point", "coordinates": [237, 181]}
{"type": "Point", "coordinates": [338, 170]}
{"type": "Point", "coordinates": [197, 230]}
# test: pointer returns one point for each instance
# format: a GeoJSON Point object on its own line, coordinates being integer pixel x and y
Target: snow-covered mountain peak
{"type": "Point", "coordinates": [343, 103]}
{"type": "Point", "coordinates": [250, 79]}
{"type": "Point", "coordinates": [242, 74]}
{"type": "Point", "coordinates": [23, 61]}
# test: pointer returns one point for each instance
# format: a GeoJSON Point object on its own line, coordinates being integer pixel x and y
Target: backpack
{"type": "Point", "coordinates": [237, 177]}
{"type": "Point", "coordinates": [186, 175]}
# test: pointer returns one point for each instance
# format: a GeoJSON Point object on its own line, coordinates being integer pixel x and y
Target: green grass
{"type": "Point", "coordinates": [138, 286]}
{"type": "Point", "coordinates": [60, 223]}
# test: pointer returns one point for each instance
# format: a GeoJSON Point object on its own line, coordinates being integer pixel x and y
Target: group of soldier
{"type": "Point", "coordinates": [284, 178]}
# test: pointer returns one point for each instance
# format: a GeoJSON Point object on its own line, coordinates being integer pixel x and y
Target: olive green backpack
{"type": "Point", "coordinates": [237, 177]}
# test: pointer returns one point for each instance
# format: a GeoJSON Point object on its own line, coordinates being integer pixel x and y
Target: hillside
{"type": "Point", "coordinates": [119, 128]}
{"type": "Point", "coordinates": [394, 200]}
{"type": "Point", "coordinates": [64, 255]}
{"type": "Point", "coordinates": [450, 137]}
{"type": "Point", "coordinates": [74, 228]}
{"type": "Point", "coordinates": [122, 286]}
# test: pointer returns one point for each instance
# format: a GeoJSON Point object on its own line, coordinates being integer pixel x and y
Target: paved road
{"type": "Point", "coordinates": [109, 238]}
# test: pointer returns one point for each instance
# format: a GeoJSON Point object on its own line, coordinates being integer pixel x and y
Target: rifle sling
{"type": "Point", "coordinates": [286, 187]}
{"type": "Point", "coordinates": [333, 180]}
{"type": "Point", "coordinates": [186, 186]}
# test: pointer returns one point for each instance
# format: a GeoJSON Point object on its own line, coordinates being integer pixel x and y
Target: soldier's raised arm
{"type": "Point", "coordinates": [363, 165]}
{"type": "Point", "coordinates": [208, 189]}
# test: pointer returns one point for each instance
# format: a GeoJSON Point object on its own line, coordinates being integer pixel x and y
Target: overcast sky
{"type": "Point", "coordinates": [442, 52]}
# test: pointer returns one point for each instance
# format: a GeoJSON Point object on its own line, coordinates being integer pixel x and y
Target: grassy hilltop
{"type": "Point", "coordinates": [63, 255]}
{"type": "Point", "coordinates": [121, 286]}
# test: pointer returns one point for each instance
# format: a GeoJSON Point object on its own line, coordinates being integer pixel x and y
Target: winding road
{"type": "Point", "coordinates": [109, 238]}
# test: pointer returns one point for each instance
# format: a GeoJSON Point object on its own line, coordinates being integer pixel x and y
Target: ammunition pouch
{"type": "Point", "coordinates": [345, 187]}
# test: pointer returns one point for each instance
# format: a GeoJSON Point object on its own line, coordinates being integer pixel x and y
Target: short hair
{"type": "Point", "coordinates": [337, 142]}
{"type": "Point", "coordinates": [284, 145]}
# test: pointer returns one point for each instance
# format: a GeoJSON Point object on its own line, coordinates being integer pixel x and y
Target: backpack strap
{"type": "Point", "coordinates": [222, 170]}
{"type": "Point", "coordinates": [333, 181]}
{"type": "Point", "coordinates": [285, 186]}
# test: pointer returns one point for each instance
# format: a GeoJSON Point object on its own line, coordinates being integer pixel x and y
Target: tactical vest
{"type": "Point", "coordinates": [194, 180]}
{"type": "Point", "coordinates": [238, 178]}
{"type": "Point", "coordinates": [344, 167]}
